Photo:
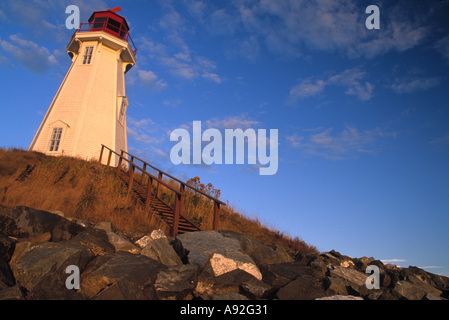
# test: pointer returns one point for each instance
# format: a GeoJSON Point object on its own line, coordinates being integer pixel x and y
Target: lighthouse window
{"type": "Point", "coordinates": [88, 55]}
{"type": "Point", "coordinates": [121, 118]}
{"type": "Point", "coordinates": [99, 22]}
{"type": "Point", "coordinates": [114, 25]}
{"type": "Point", "coordinates": [55, 139]}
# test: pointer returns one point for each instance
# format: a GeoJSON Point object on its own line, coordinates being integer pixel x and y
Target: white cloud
{"type": "Point", "coordinates": [394, 261]}
{"type": "Point", "coordinates": [181, 64]}
{"type": "Point", "coordinates": [443, 47]}
{"type": "Point", "coordinates": [175, 54]}
{"type": "Point", "coordinates": [351, 79]}
{"type": "Point", "coordinates": [28, 53]}
{"type": "Point", "coordinates": [295, 140]}
{"type": "Point", "coordinates": [337, 146]}
{"type": "Point", "coordinates": [232, 122]}
{"type": "Point", "coordinates": [307, 88]}
{"type": "Point", "coordinates": [212, 76]}
{"type": "Point", "coordinates": [412, 84]}
{"type": "Point", "coordinates": [151, 80]}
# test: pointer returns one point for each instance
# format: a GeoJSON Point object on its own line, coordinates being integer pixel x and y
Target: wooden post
{"type": "Point", "coordinates": [144, 170]}
{"type": "Point", "coordinates": [181, 206]}
{"type": "Point", "coordinates": [119, 167]}
{"type": "Point", "coordinates": [101, 153]}
{"type": "Point", "coordinates": [158, 185]}
{"type": "Point", "coordinates": [176, 215]}
{"type": "Point", "coordinates": [149, 192]}
{"type": "Point", "coordinates": [216, 215]}
{"type": "Point", "coordinates": [131, 176]}
{"type": "Point", "coordinates": [109, 157]}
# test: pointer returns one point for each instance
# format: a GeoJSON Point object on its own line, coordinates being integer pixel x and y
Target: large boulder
{"type": "Point", "coordinates": [122, 244]}
{"type": "Point", "coordinates": [96, 240]}
{"type": "Point", "coordinates": [278, 275]}
{"type": "Point", "coordinates": [221, 254]}
{"type": "Point", "coordinates": [353, 281]}
{"type": "Point", "coordinates": [120, 276]}
{"type": "Point", "coordinates": [7, 246]}
{"type": "Point", "coordinates": [6, 276]}
{"type": "Point", "coordinates": [305, 287]}
{"type": "Point", "coordinates": [156, 246]}
{"type": "Point", "coordinates": [41, 269]}
{"type": "Point", "coordinates": [416, 289]}
{"type": "Point", "coordinates": [24, 222]}
{"type": "Point", "coordinates": [177, 282]}
{"type": "Point", "coordinates": [261, 253]}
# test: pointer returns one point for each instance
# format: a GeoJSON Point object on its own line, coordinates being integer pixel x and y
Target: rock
{"type": "Point", "coordinates": [155, 234]}
{"type": "Point", "coordinates": [353, 280]}
{"type": "Point", "coordinates": [176, 282]}
{"type": "Point", "coordinates": [236, 281]}
{"type": "Point", "coordinates": [303, 288]}
{"type": "Point", "coordinates": [415, 289]}
{"type": "Point", "coordinates": [304, 258]}
{"type": "Point", "coordinates": [340, 297]}
{"type": "Point", "coordinates": [160, 250]}
{"type": "Point", "coordinates": [221, 264]}
{"type": "Point", "coordinates": [107, 226]}
{"type": "Point", "coordinates": [201, 245]}
{"type": "Point", "coordinates": [96, 240]}
{"type": "Point", "coordinates": [12, 293]}
{"type": "Point", "coordinates": [222, 254]}
{"type": "Point", "coordinates": [41, 270]}
{"type": "Point", "coordinates": [45, 237]}
{"type": "Point", "coordinates": [246, 283]}
{"type": "Point", "coordinates": [120, 276]}
{"type": "Point", "coordinates": [335, 286]}
{"type": "Point", "coordinates": [121, 244]}
{"type": "Point", "coordinates": [430, 296]}
{"type": "Point", "coordinates": [6, 276]}
{"type": "Point", "coordinates": [278, 275]}
{"type": "Point", "coordinates": [24, 222]}
{"type": "Point", "coordinates": [261, 253]}
{"type": "Point", "coordinates": [7, 246]}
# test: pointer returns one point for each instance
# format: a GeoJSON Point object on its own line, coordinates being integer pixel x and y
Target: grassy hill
{"type": "Point", "coordinates": [90, 191]}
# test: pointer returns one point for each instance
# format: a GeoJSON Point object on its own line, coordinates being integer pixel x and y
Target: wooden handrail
{"type": "Point", "coordinates": [137, 167]}
{"type": "Point", "coordinates": [177, 180]}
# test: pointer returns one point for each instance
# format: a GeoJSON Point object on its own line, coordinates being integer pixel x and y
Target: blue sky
{"type": "Point", "coordinates": [362, 115]}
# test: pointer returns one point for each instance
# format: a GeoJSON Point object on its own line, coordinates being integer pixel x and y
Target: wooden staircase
{"type": "Point", "coordinates": [142, 188]}
{"type": "Point", "coordinates": [159, 207]}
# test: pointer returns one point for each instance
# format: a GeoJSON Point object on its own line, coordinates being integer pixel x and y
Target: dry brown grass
{"type": "Point", "coordinates": [89, 191]}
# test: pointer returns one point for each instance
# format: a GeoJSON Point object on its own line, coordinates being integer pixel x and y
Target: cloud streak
{"type": "Point", "coordinates": [352, 80]}
{"type": "Point", "coordinates": [348, 143]}
{"type": "Point", "coordinates": [28, 54]}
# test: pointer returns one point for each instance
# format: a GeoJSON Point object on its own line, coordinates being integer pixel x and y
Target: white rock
{"type": "Point", "coordinates": [121, 244]}
{"type": "Point", "coordinates": [221, 264]}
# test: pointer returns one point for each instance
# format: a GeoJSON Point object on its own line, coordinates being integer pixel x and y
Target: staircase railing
{"type": "Point", "coordinates": [179, 194]}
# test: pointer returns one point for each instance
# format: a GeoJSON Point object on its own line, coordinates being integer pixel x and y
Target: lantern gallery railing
{"type": "Point", "coordinates": [108, 26]}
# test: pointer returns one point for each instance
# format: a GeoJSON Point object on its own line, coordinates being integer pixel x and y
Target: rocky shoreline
{"type": "Point", "coordinates": [39, 248]}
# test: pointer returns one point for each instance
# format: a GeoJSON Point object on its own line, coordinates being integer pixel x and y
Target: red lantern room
{"type": "Point", "coordinates": [110, 22]}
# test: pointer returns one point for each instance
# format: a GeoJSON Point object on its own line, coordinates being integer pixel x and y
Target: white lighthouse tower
{"type": "Point", "coordinates": [89, 108]}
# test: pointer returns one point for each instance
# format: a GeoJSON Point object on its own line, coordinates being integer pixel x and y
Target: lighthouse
{"type": "Point", "coordinates": [89, 108]}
